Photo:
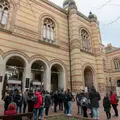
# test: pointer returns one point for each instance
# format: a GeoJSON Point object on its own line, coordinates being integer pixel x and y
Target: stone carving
{"type": "Point", "coordinates": [25, 33]}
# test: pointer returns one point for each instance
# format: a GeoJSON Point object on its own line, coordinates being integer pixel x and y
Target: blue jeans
{"type": "Point", "coordinates": [70, 107]}
{"type": "Point", "coordinates": [41, 110]}
{"type": "Point", "coordinates": [19, 108]}
{"type": "Point", "coordinates": [95, 112]}
{"type": "Point", "coordinates": [35, 111]}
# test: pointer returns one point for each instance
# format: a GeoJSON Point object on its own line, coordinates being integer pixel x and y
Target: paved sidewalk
{"type": "Point", "coordinates": [102, 113]}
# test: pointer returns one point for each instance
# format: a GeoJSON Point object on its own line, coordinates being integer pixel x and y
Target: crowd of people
{"type": "Point", "coordinates": [89, 101]}
{"type": "Point", "coordinates": [39, 102]}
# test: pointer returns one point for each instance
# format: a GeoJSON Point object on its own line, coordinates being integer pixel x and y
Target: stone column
{"type": "Point", "coordinates": [77, 82]}
{"type": "Point", "coordinates": [26, 74]}
{"type": "Point", "coordinates": [47, 79]}
{"type": "Point", "coordinates": [2, 73]}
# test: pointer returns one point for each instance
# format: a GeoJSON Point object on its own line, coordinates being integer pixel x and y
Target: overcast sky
{"type": "Point", "coordinates": [106, 14]}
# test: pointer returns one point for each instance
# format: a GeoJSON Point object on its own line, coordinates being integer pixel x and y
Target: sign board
{"type": "Point", "coordinates": [118, 91]}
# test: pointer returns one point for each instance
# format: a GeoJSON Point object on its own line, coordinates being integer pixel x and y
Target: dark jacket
{"type": "Point", "coordinates": [66, 100]}
{"type": "Point", "coordinates": [55, 97]}
{"type": "Point", "coordinates": [94, 97]}
{"type": "Point", "coordinates": [47, 100]}
{"type": "Point", "coordinates": [106, 104]}
{"type": "Point", "coordinates": [18, 99]}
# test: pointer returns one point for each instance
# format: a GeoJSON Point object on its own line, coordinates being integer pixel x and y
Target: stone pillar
{"type": "Point", "coordinates": [2, 73]}
{"type": "Point", "coordinates": [26, 74]}
{"type": "Point", "coordinates": [96, 39]}
{"type": "Point", "coordinates": [47, 79]}
{"type": "Point", "coordinates": [77, 82]}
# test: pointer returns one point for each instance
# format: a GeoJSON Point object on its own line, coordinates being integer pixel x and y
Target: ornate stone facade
{"type": "Point", "coordinates": [72, 48]}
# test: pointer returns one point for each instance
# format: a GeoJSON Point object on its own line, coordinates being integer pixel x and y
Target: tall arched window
{"type": "Point", "coordinates": [86, 45]}
{"type": "Point", "coordinates": [4, 9]}
{"type": "Point", "coordinates": [49, 30]}
{"type": "Point", "coordinates": [117, 64]}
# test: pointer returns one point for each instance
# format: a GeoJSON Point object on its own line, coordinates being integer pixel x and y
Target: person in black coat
{"type": "Point", "coordinates": [30, 101]}
{"type": "Point", "coordinates": [107, 106]}
{"type": "Point", "coordinates": [47, 103]}
{"type": "Point", "coordinates": [66, 107]}
{"type": "Point", "coordinates": [55, 97]}
{"type": "Point", "coordinates": [94, 97]}
{"type": "Point", "coordinates": [18, 99]}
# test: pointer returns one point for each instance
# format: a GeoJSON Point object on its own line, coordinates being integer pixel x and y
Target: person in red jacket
{"type": "Point", "coordinates": [113, 99]}
{"type": "Point", "coordinates": [11, 111]}
{"type": "Point", "coordinates": [37, 104]}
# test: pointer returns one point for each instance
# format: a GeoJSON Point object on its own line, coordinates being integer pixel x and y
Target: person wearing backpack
{"type": "Point", "coordinates": [84, 104]}
{"type": "Point", "coordinates": [94, 97]}
{"type": "Point", "coordinates": [37, 104]}
{"type": "Point", "coordinates": [114, 101]}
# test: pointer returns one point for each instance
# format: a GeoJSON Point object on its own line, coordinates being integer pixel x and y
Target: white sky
{"type": "Point", "coordinates": [107, 14]}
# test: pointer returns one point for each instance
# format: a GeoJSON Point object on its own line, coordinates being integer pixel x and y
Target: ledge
{"type": "Point", "coordinates": [6, 31]}
{"type": "Point", "coordinates": [49, 44]}
{"type": "Point", "coordinates": [87, 52]}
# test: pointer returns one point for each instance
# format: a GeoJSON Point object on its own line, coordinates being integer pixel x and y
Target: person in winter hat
{"type": "Point", "coordinates": [11, 111]}
{"type": "Point", "coordinates": [37, 104]}
{"type": "Point", "coordinates": [114, 102]}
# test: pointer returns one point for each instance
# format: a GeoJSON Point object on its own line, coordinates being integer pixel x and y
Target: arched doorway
{"type": "Point", "coordinates": [57, 77]}
{"type": "Point", "coordinates": [118, 83]}
{"type": "Point", "coordinates": [88, 77]}
{"type": "Point", "coordinates": [38, 73]}
{"type": "Point", "coordinates": [13, 74]}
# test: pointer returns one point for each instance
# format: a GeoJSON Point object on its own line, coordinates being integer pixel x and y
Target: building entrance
{"type": "Point", "coordinates": [13, 74]}
{"type": "Point", "coordinates": [88, 77]}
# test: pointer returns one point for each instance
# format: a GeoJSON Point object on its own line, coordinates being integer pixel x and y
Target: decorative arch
{"type": "Point", "coordinates": [62, 78]}
{"type": "Point", "coordinates": [92, 69]}
{"type": "Point", "coordinates": [12, 53]}
{"type": "Point", "coordinates": [57, 61]}
{"type": "Point", "coordinates": [38, 57]}
{"type": "Point", "coordinates": [41, 26]}
{"type": "Point", "coordinates": [85, 39]}
{"type": "Point", "coordinates": [1, 52]}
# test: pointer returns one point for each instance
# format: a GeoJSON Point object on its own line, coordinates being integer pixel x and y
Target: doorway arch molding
{"type": "Point", "coordinates": [90, 66]}
{"type": "Point", "coordinates": [60, 63]}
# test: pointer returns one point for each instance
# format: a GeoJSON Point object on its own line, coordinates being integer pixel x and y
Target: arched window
{"type": "Point", "coordinates": [117, 64]}
{"type": "Point", "coordinates": [4, 9]}
{"type": "Point", "coordinates": [48, 30]}
{"type": "Point", "coordinates": [86, 45]}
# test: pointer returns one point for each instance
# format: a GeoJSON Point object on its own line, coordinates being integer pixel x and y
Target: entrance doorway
{"type": "Point", "coordinates": [37, 75]}
{"type": "Point", "coordinates": [13, 74]}
{"type": "Point", "coordinates": [88, 77]}
{"type": "Point", "coordinates": [57, 77]}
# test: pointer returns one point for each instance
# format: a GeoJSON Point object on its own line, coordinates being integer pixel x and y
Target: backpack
{"type": "Point", "coordinates": [84, 101]}
{"type": "Point", "coordinates": [35, 99]}
{"type": "Point", "coordinates": [117, 100]}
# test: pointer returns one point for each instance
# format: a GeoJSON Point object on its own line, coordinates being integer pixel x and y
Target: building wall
{"type": "Point", "coordinates": [22, 37]}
